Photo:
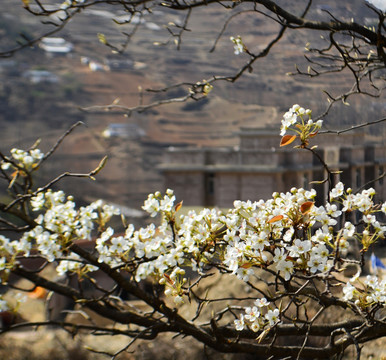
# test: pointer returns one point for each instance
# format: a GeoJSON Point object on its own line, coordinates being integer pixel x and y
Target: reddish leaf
{"type": "Point", "coordinates": [275, 218]}
{"type": "Point", "coordinates": [287, 139]}
{"type": "Point", "coordinates": [306, 207]}
{"type": "Point", "coordinates": [313, 134]}
{"type": "Point", "coordinates": [169, 279]}
{"type": "Point", "coordinates": [178, 206]}
{"type": "Point", "coordinates": [246, 266]}
{"type": "Point", "coordinates": [38, 293]}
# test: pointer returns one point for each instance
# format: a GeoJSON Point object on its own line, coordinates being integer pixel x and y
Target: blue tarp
{"type": "Point", "coordinates": [376, 263]}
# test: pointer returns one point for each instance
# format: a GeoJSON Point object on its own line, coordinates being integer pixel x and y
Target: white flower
{"type": "Point", "coordinates": [261, 302]}
{"type": "Point", "coordinates": [244, 274]}
{"type": "Point", "coordinates": [37, 202]}
{"type": "Point", "coordinates": [166, 204]}
{"type": "Point", "coordinates": [300, 247]}
{"type": "Point", "coordinates": [273, 316]}
{"type": "Point", "coordinates": [239, 323]}
{"type": "Point", "coordinates": [383, 208]}
{"type": "Point", "coordinates": [252, 313]}
{"type": "Point", "coordinates": [337, 191]}
{"type": "Point", "coordinates": [238, 45]}
{"type": "Point", "coordinates": [289, 118]}
{"type": "Point", "coordinates": [287, 237]}
{"type": "Point", "coordinates": [320, 250]}
{"type": "Point", "coordinates": [348, 230]}
{"type": "Point", "coordinates": [349, 292]}
{"type": "Point", "coordinates": [279, 255]}
{"type": "Point", "coordinates": [119, 245]}
{"type": "Point", "coordinates": [369, 219]}
{"type": "Point", "coordinates": [151, 205]}
{"type": "Point", "coordinates": [333, 210]}
{"type": "Point", "coordinates": [316, 264]}
{"type": "Point", "coordinates": [371, 281]}
{"type": "Point", "coordinates": [255, 326]}
{"type": "Point", "coordinates": [286, 267]}
{"type": "Point", "coordinates": [27, 159]}
{"type": "Point", "coordinates": [178, 300]}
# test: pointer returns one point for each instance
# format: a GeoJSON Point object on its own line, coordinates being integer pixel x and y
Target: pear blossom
{"type": "Point", "coordinates": [239, 323]}
{"type": "Point", "coordinates": [300, 247]}
{"type": "Point", "coordinates": [285, 267]}
{"type": "Point", "coordinates": [273, 317]}
{"type": "Point", "coordinates": [337, 191]}
{"type": "Point", "coordinates": [252, 313]}
{"type": "Point", "coordinates": [261, 302]}
{"type": "Point", "coordinates": [238, 45]}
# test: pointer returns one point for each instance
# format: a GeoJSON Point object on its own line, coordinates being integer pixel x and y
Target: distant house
{"type": "Point", "coordinates": [259, 167]}
{"type": "Point", "coordinates": [153, 26]}
{"type": "Point", "coordinates": [55, 45]}
{"type": "Point", "coordinates": [118, 63]}
{"type": "Point", "coordinates": [41, 76]}
{"type": "Point", "coordinates": [6, 65]}
{"type": "Point", "coordinates": [96, 66]}
{"type": "Point", "coordinates": [126, 131]}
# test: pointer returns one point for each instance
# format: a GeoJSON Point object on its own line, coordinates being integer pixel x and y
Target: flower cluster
{"type": "Point", "coordinates": [260, 317]}
{"type": "Point", "coordinates": [58, 224]}
{"type": "Point", "coordinates": [239, 46]}
{"type": "Point", "coordinates": [174, 284]}
{"type": "Point", "coordinates": [258, 226]}
{"type": "Point", "coordinates": [364, 293]}
{"type": "Point", "coordinates": [299, 120]}
{"type": "Point", "coordinates": [8, 252]}
{"type": "Point", "coordinates": [155, 203]}
{"type": "Point", "coordinates": [21, 159]}
{"type": "Point", "coordinates": [261, 234]}
{"type": "Point", "coordinates": [74, 264]}
{"type": "Point", "coordinates": [364, 204]}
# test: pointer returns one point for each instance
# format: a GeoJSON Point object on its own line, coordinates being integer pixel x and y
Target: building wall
{"type": "Point", "coordinates": [380, 186]}
{"type": "Point", "coordinates": [259, 167]}
{"type": "Point", "coordinates": [255, 187]}
{"type": "Point", "coordinates": [250, 157]}
{"type": "Point", "coordinates": [227, 189]}
{"type": "Point", "coordinates": [187, 186]}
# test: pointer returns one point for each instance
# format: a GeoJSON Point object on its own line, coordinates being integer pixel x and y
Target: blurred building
{"type": "Point", "coordinates": [258, 167]}
{"type": "Point", "coordinates": [127, 131]}
{"type": "Point", "coordinates": [41, 76]}
{"type": "Point", "coordinates": [55, 46]}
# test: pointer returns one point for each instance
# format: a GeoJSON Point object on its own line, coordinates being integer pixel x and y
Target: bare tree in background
{"type": "Point", "coordinates": [349, 46]}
